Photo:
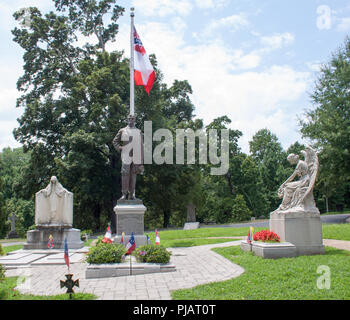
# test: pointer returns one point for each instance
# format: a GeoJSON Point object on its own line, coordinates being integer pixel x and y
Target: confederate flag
{"type": "Point", "coordinates": [143, 70]}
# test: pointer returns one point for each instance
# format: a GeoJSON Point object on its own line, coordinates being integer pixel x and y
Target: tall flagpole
{"type": "Point", "coordinates": [132, 82]}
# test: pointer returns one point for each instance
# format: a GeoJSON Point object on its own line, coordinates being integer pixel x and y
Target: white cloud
{"type": "Point", "coordinates": [8, 115]}
{"type": "Point", "coordinates": [277, 40]}
{"type": "Point", "coordinates": [163, 8]}
{"type": "Point", "coordinates": [210, 4]}
{"type": "Point", "coordinates": [222, 85]}
{"type": "Point", "coordinates": [315, 66]}
{"type": "Point", "coordinates": [233, 22]}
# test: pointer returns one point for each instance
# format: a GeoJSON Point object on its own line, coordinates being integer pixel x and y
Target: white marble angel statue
{"type": "Point", "coordinates": [54, 205]}
{"type": "Point", "coordinates": [297, 196]}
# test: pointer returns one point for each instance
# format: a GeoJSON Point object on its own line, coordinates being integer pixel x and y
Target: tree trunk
{"type": "Point", "coordinates": [166, 215]}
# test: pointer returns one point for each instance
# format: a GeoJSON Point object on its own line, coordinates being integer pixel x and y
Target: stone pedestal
{"type": "Point", "coordinates": [302, 229]}
{"type": "Point", "coordinates": [39, 238]}
{"type": "Point", "coordinates": [191, 225]}
{"type": "Point", "coordinates": [130, 218]}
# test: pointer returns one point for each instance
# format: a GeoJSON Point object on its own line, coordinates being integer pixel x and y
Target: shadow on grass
{"type": "Point", "coordinates": [183, 244]}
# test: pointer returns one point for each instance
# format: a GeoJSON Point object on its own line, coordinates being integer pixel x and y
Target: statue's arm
{"type": "Point", "coordinates": [117, 141]}
{"type": "Point", "coordinates": [291, 178]}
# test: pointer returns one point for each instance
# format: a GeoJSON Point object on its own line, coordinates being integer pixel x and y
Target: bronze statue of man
{"type": "Point", "coordinates": [130, 169]}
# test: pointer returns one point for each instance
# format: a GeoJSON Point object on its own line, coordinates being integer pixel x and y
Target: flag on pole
{"type": "Point", "coordinates": [108, 236]}
{"type": "Point", "coordinates": [50, 243]}
{"type": "Point", "coordinates": [143, 70]}
{"type": "Point", "coordinates": [122, 238]}
{"type": "Point", "coordinates": [157, 238]}
{"type": "Point", "coordinates": [66, 255]}
{"type": "Point", "coordinates": [130, 247]}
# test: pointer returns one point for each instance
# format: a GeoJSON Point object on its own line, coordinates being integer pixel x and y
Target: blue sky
{"type": "Point", "coordinates": [255, 61]}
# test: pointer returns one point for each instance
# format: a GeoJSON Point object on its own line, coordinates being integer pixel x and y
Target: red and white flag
{"type": "Point", "coordinates": [131, 245]}
{"type": "Point", "coordinates": [143, 70]}
{"type": "Point", "coordinates": [157, 238]}
{"type": "Point", "coordinates": [108, 236]}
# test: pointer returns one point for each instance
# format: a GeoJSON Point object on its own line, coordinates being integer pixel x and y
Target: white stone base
{"type": "Point", "coordinates": [130, 218]}
{"type": "Point", "coordinates": [96, 271]}
{"type": "Point", "coordinates": [270, 250]}
{"type": "Point", "coordinates": [191, 225]}
{"type": "Point", "coordinates": [39, 238]}
{"type": "Point", "coordinates": [246, 246]}
{"type": "Point", "coordinates": [140, 240]}
{"type": "Point", "coordinates": [303, 230]}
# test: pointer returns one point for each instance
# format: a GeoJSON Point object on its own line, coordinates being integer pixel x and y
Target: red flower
{"type": "Point", "coordinates": [266, 235]}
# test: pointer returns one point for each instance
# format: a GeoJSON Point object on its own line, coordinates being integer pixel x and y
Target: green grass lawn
{"type": "Point", "coordinates": [8, 292]}
{"type": "Point", "coordinates": [336, 231]}
{"type": "Point", "coordinates": [196, 237]}
{"type": "Point", "coordinates": [346, 211]}
{"type": "Point", "coordinates": [280, 279]}
{"type": "Point", "coordinates": [12, 248]}
{"type": "Point", "coordinates": [12, 240]}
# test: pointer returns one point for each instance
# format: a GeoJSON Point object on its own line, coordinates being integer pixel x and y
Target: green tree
{"type": "Point", "coordinates": [3, 215]}
{"type": "Point", "coordinates": [76, 99]}
{"type": "Point", "coordinates": [327, 123]}
{"type": "Point", "coordinates": [240, 210]}
{"type": "Point", "coordinates": [14, 163]}
{"type": "Point", "coordinates": [268, 153]}
{"type": "Point", "coordinates": [219, 191]}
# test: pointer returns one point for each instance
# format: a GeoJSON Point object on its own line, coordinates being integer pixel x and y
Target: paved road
{"type": "Point", "coordinates": [326, 219]}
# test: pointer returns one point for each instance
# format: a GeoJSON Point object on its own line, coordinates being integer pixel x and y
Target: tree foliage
{"type": "Point", "coordinates": [76, 99]}
{"type": "Point", "coordinates": [327, 124]}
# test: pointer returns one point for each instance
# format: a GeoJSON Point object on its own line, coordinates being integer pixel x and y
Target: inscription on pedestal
{"type": "Point", "coordinates": [130, 223]}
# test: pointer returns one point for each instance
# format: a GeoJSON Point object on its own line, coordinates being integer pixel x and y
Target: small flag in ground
{"type": "Point", "coordinates": [66, 255]}
{"type": "Point", "coordinates": [148, 239]}
{"type": "Point", "coordinates": [108, 236]}
{"type": "Point", "coordinates": [50, 243]}
{"type": "Point", "coordinates": [130, 247]}
{"type": "Point", "coordinates": [250, 234]}
{"type": "Point", "coordinates": [122, 238]}
{"type": "Point", "coordinates": [157, 238]}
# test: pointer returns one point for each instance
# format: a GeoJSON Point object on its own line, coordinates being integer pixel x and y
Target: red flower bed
{"type": "Point", "coordinates": [266, 235]}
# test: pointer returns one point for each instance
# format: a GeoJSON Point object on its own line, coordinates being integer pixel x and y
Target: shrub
{"type": "Point", "coordinates": [2, 252]}
{"type": "Point", "coordinates": [106, 253]}
{"type": "Point", "coordinates": [266, 236]}
{"type": "Point", "coordinates": [240, 210]}
{"type": "Point", "coordinates": [2, 273]}
{"type": "Point", "coordinates": [152, 253]}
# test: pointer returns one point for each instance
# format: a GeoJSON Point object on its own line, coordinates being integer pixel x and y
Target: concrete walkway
{"type": "Point", "coordinates": [194, 266]}
{"type": "Point", "coordinates": [338, 244]}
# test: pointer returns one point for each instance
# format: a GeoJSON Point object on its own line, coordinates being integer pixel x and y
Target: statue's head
{"type": "Point", "coordinates": [53, 179]}
{"type": "Point", "coordinates": [131, 119]}
{"type": "Point", "coordinates": [293, 158]}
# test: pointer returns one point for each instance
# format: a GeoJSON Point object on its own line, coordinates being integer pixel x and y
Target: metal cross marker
{"type": "Point", "coordinates": [69, 284]}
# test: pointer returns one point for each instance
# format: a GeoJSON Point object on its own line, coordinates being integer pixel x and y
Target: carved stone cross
{"type": "Point", "coordinates": [13, 219]}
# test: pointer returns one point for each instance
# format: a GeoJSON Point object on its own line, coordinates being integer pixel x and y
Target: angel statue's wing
{"type": "Point", "coordinates": [312, 162]}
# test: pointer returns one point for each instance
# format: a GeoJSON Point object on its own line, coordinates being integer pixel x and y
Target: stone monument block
{"type": "Point", "coordinates": [191, 218]}
{"type": "Point", "coordinates": [302, 229]}
{"type": "Point", "coordinates": [13, 233]}
{"type": "Point", "coordinates": [53, 216]}
{"type": "Point", "coordinates": [191, 213]}
{"type": "Point", "coordinates": [130, 218]}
